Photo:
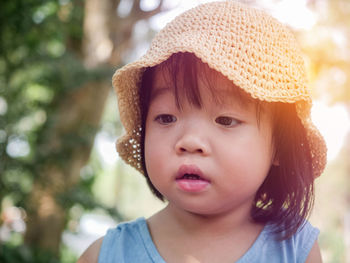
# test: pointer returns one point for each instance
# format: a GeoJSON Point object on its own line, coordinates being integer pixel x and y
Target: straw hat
{"type": "Point", "coordinates": [248, 46]}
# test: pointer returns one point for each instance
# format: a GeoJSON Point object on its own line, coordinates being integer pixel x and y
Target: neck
{"type": "Point", "coordinates": [220, 224]}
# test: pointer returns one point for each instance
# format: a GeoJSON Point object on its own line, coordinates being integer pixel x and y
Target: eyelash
{"type": "Point", "coordinates": [223, 120]}
{"type": "Point", "coordinates": [165, 119]}
{"type": "Point", "coordinates": [226, 121]}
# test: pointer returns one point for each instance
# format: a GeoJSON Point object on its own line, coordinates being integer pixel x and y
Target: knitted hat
{"type": "Point", "coordinates": [249, 47]}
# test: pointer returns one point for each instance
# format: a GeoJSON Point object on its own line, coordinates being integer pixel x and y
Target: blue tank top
{"type": "Point", "coordinates": [131, 242]}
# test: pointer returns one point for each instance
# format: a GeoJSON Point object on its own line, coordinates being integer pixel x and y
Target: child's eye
{"type": "Point", "coordinates": [227, 121]}
{"type": "Point", "coordinates": [165, 118]}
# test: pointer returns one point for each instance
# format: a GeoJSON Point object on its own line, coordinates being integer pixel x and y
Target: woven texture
{"type": "Point", "coordinates": [248, 46]}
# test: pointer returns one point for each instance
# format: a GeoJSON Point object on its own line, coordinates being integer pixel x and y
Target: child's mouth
{"type": "Point", "coordinates": [190, 179]}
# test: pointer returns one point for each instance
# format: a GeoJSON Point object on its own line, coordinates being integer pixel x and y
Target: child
{"type": "Point", "coordinates": [217, 118]}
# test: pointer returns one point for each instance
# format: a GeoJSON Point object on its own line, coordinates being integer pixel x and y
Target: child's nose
{"type": "Point", "coordinates": [192, 142]}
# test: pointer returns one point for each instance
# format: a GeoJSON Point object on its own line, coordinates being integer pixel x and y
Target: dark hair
{"type": "Point", "coordinates": [286, 196]}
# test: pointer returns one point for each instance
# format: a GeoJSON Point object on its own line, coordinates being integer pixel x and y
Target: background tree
{"type": "Point", "coordinates": [56, 61]}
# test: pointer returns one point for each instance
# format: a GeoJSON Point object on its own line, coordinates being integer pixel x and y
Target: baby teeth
{"type": "Point", "coordinates": [191, 176]}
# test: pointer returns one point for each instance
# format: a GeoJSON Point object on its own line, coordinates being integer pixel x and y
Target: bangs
{"type": "Point", "coordinates": [183, 74]}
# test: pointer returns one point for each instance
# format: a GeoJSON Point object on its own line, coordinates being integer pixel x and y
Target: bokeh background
{"type": "Point", "coordinates": [61, 181]}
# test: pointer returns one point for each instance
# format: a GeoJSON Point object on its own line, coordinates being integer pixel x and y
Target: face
{"type": "Point", "coordinates": [210, 159]}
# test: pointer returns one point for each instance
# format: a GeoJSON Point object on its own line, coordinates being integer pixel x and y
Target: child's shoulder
{"type": "Point", "coordinates": [304, 232]}
{"type": "Point", "coordinates": [91, 253]}
{"type": "Point", "coordinates": [297, 248]}
{"type": "Point", "coordinates": [127, 242]}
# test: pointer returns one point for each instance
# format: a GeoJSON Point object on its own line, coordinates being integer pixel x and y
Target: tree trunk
{"type": "Point", "coordinates": [78, 115]}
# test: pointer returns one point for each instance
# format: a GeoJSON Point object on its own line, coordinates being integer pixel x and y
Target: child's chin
{"type": "Point", "coordinates": [202, 210]}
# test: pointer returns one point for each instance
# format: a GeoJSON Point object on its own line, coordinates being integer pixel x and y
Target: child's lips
{"type": "Point", "coordinates": [190, 169]}
{"type": "Point", "coordinates": [190, 178]}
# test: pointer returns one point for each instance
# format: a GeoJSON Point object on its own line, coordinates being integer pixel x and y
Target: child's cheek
{"type": "Point", "coordinates": [155, 152]}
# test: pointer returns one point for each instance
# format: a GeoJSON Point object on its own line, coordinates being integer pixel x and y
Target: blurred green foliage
{"type": "Point", "coordinates": [36, 67]}
{"type": "Point", "coordinates": [40, 63]}
{"type": "Point", "coordinates": [24, 254]}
